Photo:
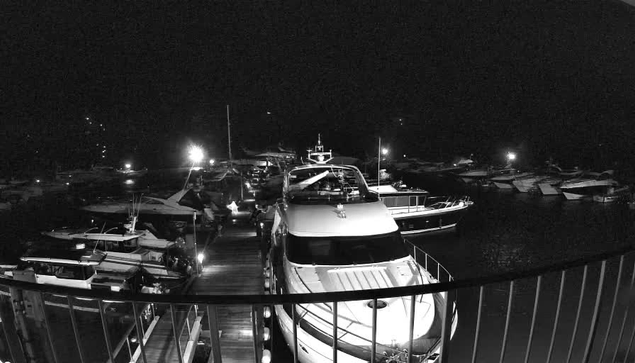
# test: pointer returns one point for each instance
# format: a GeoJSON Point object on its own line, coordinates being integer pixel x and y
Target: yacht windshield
{"type": "Point", "coordinates": [345, 250]}
{"type": "Point", "coordinates": [328, 184]}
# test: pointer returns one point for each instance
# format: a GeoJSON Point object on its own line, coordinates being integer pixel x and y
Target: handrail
{"type": "Point", "coordinates": [316, 297]}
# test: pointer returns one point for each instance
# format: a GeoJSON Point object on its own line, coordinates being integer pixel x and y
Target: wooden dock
{"type": "Point", "coordinates": [233, 265]}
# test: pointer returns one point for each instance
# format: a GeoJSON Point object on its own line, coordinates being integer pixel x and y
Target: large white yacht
{"type": "Point", "coordinates": [331, 233]}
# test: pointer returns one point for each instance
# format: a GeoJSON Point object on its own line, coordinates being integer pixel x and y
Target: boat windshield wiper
{"type": "Point", "coordinates": [305, 183]}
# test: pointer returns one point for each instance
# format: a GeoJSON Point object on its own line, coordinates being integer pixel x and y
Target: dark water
{"type": "Point", "coordinates": [503, 231]}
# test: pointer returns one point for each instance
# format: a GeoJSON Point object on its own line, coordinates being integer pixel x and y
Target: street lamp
{"type": "Point", "coordinates": [195, 154]}
{"type": "Point", "coordinates": [384, 151]}
{"type": "Point", "coordinates": [511, 156]}
{"type": "Point", "coordinates": [128, 166]}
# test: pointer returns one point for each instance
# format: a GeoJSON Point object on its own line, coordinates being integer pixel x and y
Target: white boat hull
{"type": "Point", "coordinates": [548, 189]}
{"type": "Point", "coordinates": [502, 185]}
{"type": "Point", "coordinates": [574, 196]}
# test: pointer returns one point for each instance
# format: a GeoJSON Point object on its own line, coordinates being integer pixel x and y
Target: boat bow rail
{"type": "Point", "coordinates": [614, 270]}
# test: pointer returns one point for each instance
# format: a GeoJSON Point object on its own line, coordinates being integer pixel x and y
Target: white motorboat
{"type": "Point", "coordinates": [127, 248]}
{"type": "Point", "coordinates": [184, 203]}
{"type": "Point", "coordinates": [474, 175]}
{"type": "Point", "coordinates": [331, 233]}
{"type": "Point", "coordinates": [588, 185]}
{"type": "Point", "coordinates": [613, 194]}
{"type": "Point", "coordinates": [416, 211]}
{"type": "Point", "coordinates": [74, 266]}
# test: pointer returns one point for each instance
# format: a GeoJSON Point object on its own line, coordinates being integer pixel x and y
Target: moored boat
{"type": "Point", "coordinates": [331, 233]}
{"type": "Point", "coordinates": [416, 211]}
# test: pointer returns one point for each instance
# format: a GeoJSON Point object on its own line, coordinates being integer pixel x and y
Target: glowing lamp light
{"type": "Point", "coordinates": [384, 151]}
{"type": "Point", "coordinates": [266, 312]}
{"type": "Point", "coordinates": [266, 356]}
{"type": "Point", "coordinates": [37, 180]}
{"type": "Point", "coordinates": [195, 154]}
{"type": "Point", "coordinates": [211, 161]}
{"type": "Point", "coordinates": [133, 339]}
{"type": "Point", "coordinates": [200, 257]}
{"type": "Point", "coordinates": [128, 166]}
{"type": "Point", "coordinates": [248, 185]}
{"type": "Point", "coordinates": [233, 207]}
{"type": "Point", "coordinates": [320, 158]}
{"type": "Point", "coordinates": [129, 182]}
{"type": "Point", "coordinates": [511, 156]}
{"type": "Point", "coordinates": [266, 335]}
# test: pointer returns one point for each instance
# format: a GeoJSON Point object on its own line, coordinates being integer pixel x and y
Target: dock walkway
{"type": "Point", "coordinates": [233, 266]}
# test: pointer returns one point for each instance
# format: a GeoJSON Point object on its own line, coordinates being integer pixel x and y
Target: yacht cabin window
{"type": "Point", "coordinates": [345, 250]}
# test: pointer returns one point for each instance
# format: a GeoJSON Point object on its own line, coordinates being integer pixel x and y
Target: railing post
{"type": "Point", "coordinates": [104, 325]}
{"type": "Point", "coordinates": [373, 347]}
{"type": "Point", "coordinates": [335, 332]}
{"type": "Point", "coordinates": [295, 333]}
{"type": "Point", "coordinates": [596, 315]}
{"type": "Point", "coordinates": [254, 333]}
{"type": "Point", "coordinates": [413, 299]}
{"type": "Point", "coordinates": [177, 343]}
{"type": "Point", "coordinates": [212, 320]}
{"type": "Point", "coordinates": [478, 323]}
{"type": "Point", "coordinates": [507, 319]}
{"type": "Point", "coordinates": [140, 332]}
{"type": "Point", "coordinates": [563, 276]}
{"type": "Point", "coordinates": [75, 328]}
{"type": "Point", "coordinates": [48, 329]}
{"type": "Point", "coordinates": [446, 327]}
{"type": "Point", "coordinates": [577, 316]}
{"type": "Point", "coordinates": [608, 328]}
{"type": "Point", "coordinates": [621, 334]}
{"type": "Point", "coordinates": [533, 319]}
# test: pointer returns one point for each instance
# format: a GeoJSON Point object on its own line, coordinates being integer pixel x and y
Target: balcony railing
{"type": "Point", "coordinates": [578, 311]}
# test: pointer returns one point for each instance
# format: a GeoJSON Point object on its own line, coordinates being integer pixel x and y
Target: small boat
{"type": "Point", "coordinates": [415, 211]}
{"type": "Point", "coordinates": [75, 266]}
{"type": "Point", "coordinates": [160, 258]}
{"type": "Point", "coordinates": [585, 187]}
{"type": "Point", "coordinates": [184, 203]}
{"type": "Point", "coordinates": [612, 194]}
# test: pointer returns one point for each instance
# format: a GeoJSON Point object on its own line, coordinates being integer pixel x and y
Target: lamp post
{"type": "Point", "coordinates": [195, 154]}
{"type": "Point", "coordinates": [510, 157]}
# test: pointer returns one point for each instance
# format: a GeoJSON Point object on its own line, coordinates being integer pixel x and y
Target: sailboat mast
{"type": "Point", "coordinates": [378, 162]}
{"type": "Point", "coordinates": [229, 137]}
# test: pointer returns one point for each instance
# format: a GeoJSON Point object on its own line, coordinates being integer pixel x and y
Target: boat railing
{"type": "Point", "coordinates": [544, 298]}
{"type": "Point", "coordinates": [418, 203]}
{"type": "Point", "coordinates": [430, 264]}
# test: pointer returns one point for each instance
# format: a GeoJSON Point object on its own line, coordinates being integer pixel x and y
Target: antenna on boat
{"type": "Point", "coordinates": [321, 156]}
{"type": "Point", "coordinates": [378, 164]}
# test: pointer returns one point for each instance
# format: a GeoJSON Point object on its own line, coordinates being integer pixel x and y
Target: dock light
{"type": "Point", "coordinates": [248, 185]}
{"type": "Point", "coordinates": [200, 257]}
{"type": "Point", "coordinates": [37, 180]}
{"type": "Point", "coordinates": [266, 312]}
{"type": "Point", "coordinates": [211, 161]}
{"type": "Point", "coordinates": [129, 182]}
{"type": "Point", "coordinates": [384, 151]}
{"type": "Point", "coordinates": [266, 335]}
{"type": "Point", "coordinates": [128, 166]}
{"type": "Point", "coordinates": [67, 183]}
{"type": "Point", "coordinates": [266, 356]}
{"type": "Point", "coordinates": [320, 158]}
{"type": "Point", "coordinates": [511, 156]}
{"type": "Point", "coordinates": [195, 154]}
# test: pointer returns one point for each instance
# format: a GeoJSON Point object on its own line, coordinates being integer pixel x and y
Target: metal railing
{"type": "Point", "coordinates": [578, 311]}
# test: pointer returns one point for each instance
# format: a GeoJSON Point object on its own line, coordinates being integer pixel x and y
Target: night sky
{"type": "Point", "coordinates": [548, 78]}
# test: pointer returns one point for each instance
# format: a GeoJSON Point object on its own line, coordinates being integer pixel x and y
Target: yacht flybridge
{"type": "Point", "coordinates": [331, 233]}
